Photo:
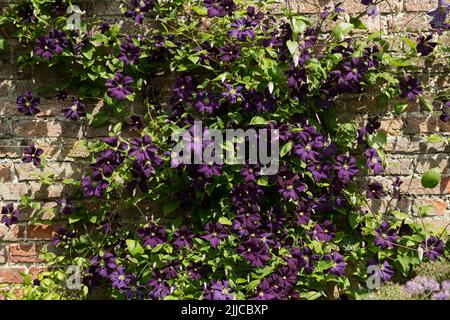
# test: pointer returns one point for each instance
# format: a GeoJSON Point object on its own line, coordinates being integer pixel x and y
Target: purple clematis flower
{"type": "Point", "coordinates": [232, 94]}
{"type": "Point", "coordinates": [67, 206]}
{"type": "Point", "coordinates": [339, 264]}
{"type": "Point", "coordinates": [218, 290]}
{"type": "Point", "coordinates": [27, 104]}
{"type": "Point", "coordinates": [241, 29]}
{"type": "Point", "coordinates": [94, 187]}
{"type": "Point", "coordinates": [346, 168]}
{"type": "Point", "coordinates": [289, 184]}
{"type": "Point", "coordinates": [129, 52]}
{"type": "Point", "coordinates": [410, 88]}
{"type": "Point", "coordinates": [323, 232]}
{"type": "Point", "coordinates": [119, 86]}
{"type": "Point", "coordinates": [386, 270]}
{"type": "Point", "coordinates": [439, 15]}
{"type": "Point", "coordinates": [425, 46]}
{"type": "Point", "coordinates": [104, 264]}
{"type": "Point", "coordinates": [153, 235]}
{"type": "Point", "coordinates": [433, 248]}
{"type": "Point", "coordinates": [196, 270]}
{"type": "Point", "coordinates": [254, 251]}
{"type": "Point", "coordinates": [10, 215]}
{"type": "Point", "coordinates": [219, 8]}
{"type": "Point", "coordinates": [215, 233]}
{"type": "Point", "coordinates": [183, 237]}
{"type": "Point", "coordinates": [375, 191]}
{"type": "Point", "coordinates": [143, 149]}
{"type": "Point", "coordinates": [63, 237]}
{"type": "Point", "coordinates": [160, 287]}
{"type": "Point", "coordinates": [32, 154]}
{"type": "Point", "coordinates": [385, 236]}
{"type": "Point", "coordinates": [373, 160]}
{"type": "Point", "coordinates": [26, 13]}
{"type": "Point", "coordinates": [319, 170]}
{"type": "Point", "coordinates": [138, 8]}
{"type": "Point", "coordinates": [230, 52]}
{"type": "Point", "coordinates": [76, 110]}
{"type": "Point", "coordinates": [445, 116]}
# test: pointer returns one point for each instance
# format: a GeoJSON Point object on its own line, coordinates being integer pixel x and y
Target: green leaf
{"type": "Point", "coordinates": [358, 24]}
{"type": "Point", "coordinates": [170, 206]}
{"type": "Point", "coordinates": [298, 25]}
{"type": "Point", "coordinates": [88, 52]}
{"type": "Point", "coordinates": [263, 181]}
{"type": "Point", "coordinates": [200, 10]}
{"type": "Point", "coordinates": [400, 62]}
{"type": "Point", "coordinates": [2, 43]}
{"type": "Point", "coordinates": [134, 247]}
{"type": "Point", "coordinates": [400, 108]}
{"type": "Point", "coordinates": [427, 103]}
{"type": "Point", "coordinates": [99, 118]}
{"type": "Point", "coordinates": [342, 29]}
{"type": "Point", "coordinates": [311, 295]}
{"type": "Point", "coordinates": [435, 138]}
{"type": "Point", "coordinates": [285, 149]}
{"type": "Point", "coordinates": [257, 120]}
{"type": "Point", "coordinates": [292, 46]}
{"type": "Point", "coordinates": [431, 178]}
{"type": "Point", "coordinates": [225, 221]}
{"type": "Point", "coordinates": [425, 211]}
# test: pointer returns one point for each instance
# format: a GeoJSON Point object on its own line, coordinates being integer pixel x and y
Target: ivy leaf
{"type": "Point", "coordinates": [134, 247]}
{"type": "Point", "coordinates": [2, 43]}
{"type": "Point", "coordinates": [431, 178]}
{"type": "Point", "coordinates": [342, 29]}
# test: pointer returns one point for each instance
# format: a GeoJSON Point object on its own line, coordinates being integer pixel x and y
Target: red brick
{"type": "Point", "coordinates": [38, 232]}
{"type": "Point", "coordinates": [11, 275]}
{"type": "Point", "coordinates": [440, 206]}
{"type": "Point", "coordinates": [24, 253]}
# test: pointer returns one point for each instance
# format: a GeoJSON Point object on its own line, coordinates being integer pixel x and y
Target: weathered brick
{"type": "Point", "coordinates": [24, 253]}
{"type": "Point", "coordinates": [41, 128]}
{"type": "Point", "coordinates": [11, 275]}
{"type": "Point", "coordinates": [422, 5]}
{"type": "Point", "coordinates": [5, 172]}
{"type": "Point", "coordinates": [9, 234]}
{"type": "Point", "coordinates": [3, 254]}
{"type": "Point", "coordinates": [440, 206]}
{"type": "Point", "coordinates": [12, 190]}
{"type": "Point", "coordinates": [38, 232]}
{"type": "Point", "coordinates": [61, 170]}
{"type": "Point", "coordinates": [55, 190]}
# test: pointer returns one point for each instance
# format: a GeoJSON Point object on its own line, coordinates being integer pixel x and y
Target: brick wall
{"type": "Point", "coordinates": [409, 153]}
